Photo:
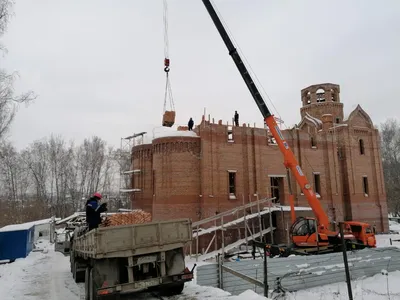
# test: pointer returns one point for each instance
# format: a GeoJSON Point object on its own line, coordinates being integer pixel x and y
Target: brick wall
{"type": "Point", "coordinates": [189, 176]}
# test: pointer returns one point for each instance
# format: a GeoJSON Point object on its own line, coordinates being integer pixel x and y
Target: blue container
{"type": "Point", "coordinates": [16, 241]}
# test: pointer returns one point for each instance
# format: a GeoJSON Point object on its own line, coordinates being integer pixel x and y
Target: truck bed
{"type": "Point", "coordinates": [131, 240]}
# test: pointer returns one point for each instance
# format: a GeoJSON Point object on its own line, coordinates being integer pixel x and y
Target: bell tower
{"type": "Point", "coordinates": [322, 99]}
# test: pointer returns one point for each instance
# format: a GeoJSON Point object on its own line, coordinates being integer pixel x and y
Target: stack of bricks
{"type": "Point", "coordinates": [135, 217]}
{"type": "Point", "coordinates": [169, 118]}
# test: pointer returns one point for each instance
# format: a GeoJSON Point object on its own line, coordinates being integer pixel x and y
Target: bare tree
{"type": "Point", "coordinates": [91, 155]}
{"type": "Point", "coordinates": [5, 13]}
{"type": "Point", "coordinates": [93, 170]}
{"type": "Point", "coordinates": [390, 144]}
{"type": "Point", "coordinates": [52, 176]}
{"type": "Point", "coordinates": [37, 162]}
{"type": "Point", "coordinates": [9, 101]}
{"type": "Point", "coordinates": [109, 179]}
{"type": "Point", "coordinates": [14, 182]}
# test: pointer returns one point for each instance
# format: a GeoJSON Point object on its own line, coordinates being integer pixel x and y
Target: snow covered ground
{"type": "Point", "coordinates": [46, 276]}
{"type": "Point", "coordinates": [42, 275]}
{"type": "Point", "coordinates": [379, 287]}
{"type": "Point", "coordinates": [383, 240]}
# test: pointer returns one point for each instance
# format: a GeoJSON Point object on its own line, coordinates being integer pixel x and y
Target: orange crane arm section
{"type": "Point", "coordinates": [291, 163]}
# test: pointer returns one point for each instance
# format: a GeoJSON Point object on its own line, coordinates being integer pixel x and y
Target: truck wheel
{"type": "Point", "coordinates": [172, 289]}
{"type": "Point", "coordinates": [71, 263]}
{"type": "Point", "coordinates": [73, 270]}
{"type": "Point", "coordinates": [92, 290]}
{"type": "Point", "coordinates": [79, 276]}
{"type": "Point", "coordinates": [87, 283]}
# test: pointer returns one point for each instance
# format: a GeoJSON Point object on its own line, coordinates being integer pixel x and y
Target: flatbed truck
{"type": "Point", "coordinates": [120, 260]}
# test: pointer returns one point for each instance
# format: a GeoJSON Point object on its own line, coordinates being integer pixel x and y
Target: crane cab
{"type": "Point", "coordinates": [304, 233]}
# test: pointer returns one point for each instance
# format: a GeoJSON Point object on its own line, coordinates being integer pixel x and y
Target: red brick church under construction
{"type": "Point", "coordinates": [221, 166]}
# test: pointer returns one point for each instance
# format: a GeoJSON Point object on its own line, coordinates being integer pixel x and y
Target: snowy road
{"type": "Point", "coordinates": [43, 276]}
{"type": "Point", "coordinates": [46, 276]}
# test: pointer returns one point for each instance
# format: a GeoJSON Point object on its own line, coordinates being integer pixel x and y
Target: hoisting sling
{"type": "Point", "coordinates": [169, 115]}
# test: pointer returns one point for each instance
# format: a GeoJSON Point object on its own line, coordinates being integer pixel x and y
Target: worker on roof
{"type": "Point", "coordinates": [190, 124]}
{"type": "Point", "coordinates": [236, 118]}
{"type": "Point", "coordinates": [93, 210]}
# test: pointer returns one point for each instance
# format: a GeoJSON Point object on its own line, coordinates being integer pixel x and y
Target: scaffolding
{"type": "Point", "coordinates": [241, 215]}
{"type": "Point", "coordinates": [126, 168]}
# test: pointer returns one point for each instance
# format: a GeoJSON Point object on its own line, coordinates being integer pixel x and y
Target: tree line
{"type": "Point", "coordinates": [390, 147]}
{"type": "Point", "coordinates": [53, 177]}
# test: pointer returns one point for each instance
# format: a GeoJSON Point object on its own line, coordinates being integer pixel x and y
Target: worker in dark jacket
{"type": "Point", "coordinates": [190, 124]}
{"type": "Point", "coordinates": [93, 210]}
{"type": "Point", "coordinates": [236, 118]}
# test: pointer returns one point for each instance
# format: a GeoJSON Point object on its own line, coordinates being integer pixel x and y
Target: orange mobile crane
{"type": "Point", "coordinates": [309, 235]}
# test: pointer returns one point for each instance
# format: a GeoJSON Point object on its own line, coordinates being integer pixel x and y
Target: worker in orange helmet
{"type": "Point", "coordinates": [93, 210]}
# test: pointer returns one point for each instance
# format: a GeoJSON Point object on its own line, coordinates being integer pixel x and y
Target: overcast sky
{"type": "Point", "coordinates": [97, 65]}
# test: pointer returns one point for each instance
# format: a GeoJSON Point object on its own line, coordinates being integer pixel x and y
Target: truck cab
{"type": "Point", "coordinates": [363, 232]}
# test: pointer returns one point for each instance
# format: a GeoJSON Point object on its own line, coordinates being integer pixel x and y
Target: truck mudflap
{"type": "Point", "coordinates": [148, 284]}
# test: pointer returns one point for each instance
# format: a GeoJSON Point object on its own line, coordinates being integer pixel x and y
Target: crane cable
{"type": "Point", "coordinates": [168, 89]}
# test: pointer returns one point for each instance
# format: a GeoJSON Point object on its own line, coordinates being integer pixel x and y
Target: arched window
{"type": "Point", "coordinates": [313, 141]}
{"type": "Point", "coordinates": [333, 95]}
{"type": "Point", "coordinates": [320, 95]}
{"type": "Point", "coordinates": [362, 149]}
{"type": "Point", "coordinates": [306, 98]}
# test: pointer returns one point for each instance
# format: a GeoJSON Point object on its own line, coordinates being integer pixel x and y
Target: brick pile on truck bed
{"type": "Point", "coordinates": [134, 217]}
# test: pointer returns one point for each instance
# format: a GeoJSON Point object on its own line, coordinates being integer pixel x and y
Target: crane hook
{"type": "Point", "coordinates": [166, 64]}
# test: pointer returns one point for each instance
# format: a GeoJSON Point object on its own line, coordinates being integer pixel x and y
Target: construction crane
{"type": "Point", "coordinates": [306, 233]}
{"type": "Point", "coordinates": [168, 114]}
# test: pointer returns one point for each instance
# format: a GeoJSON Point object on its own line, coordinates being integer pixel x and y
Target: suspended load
{"type": "Point", "coordinates": [169, 115]}
{"type": "Point", "coordinates": [169, 118]}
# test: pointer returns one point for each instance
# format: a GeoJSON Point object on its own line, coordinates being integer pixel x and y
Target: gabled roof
{"type": "Point", "coordinates": [308, 119]}
{"type": "Point", "coordinates": [359, 111]}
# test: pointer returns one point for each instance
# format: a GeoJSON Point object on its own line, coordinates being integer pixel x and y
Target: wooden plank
{"type": "Point", "coordinates": [231, 211]}
{"type": "Point", "coordinates": [233, 245]}
{"type": "Point", "coordinates": [243, 276]}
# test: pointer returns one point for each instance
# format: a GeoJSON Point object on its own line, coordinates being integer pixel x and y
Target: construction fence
{"type": "Point", "coordinates": [297, 273]}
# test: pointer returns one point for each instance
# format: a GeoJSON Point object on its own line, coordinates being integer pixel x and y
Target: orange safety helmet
{"type": "Point", "coordinates": [97, 195]}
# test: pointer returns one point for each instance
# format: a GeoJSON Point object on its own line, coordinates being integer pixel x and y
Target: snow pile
{"type": "Point", "coordinates": [25, 226]}
{"type": "Point", "coordinates": [394, 226]}
{"type": "Point", "coordinates": [16, 227]}
{"type": "Point", "coordinates": [196, 292]}
{"type": "Point", "coordinates": [248, 295]}
{"type": "Point", "coordinates": [383, 240]}
{"type": "Point", "coordinates": [380, 287]}
{"type": "Point", "coordinates": [42, 275]}
{"type": "Point", "coordinates": [160, 132]}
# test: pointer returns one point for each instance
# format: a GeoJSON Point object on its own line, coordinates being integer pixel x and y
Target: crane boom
{"type": "Point", "coordinates": [289, 158]}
